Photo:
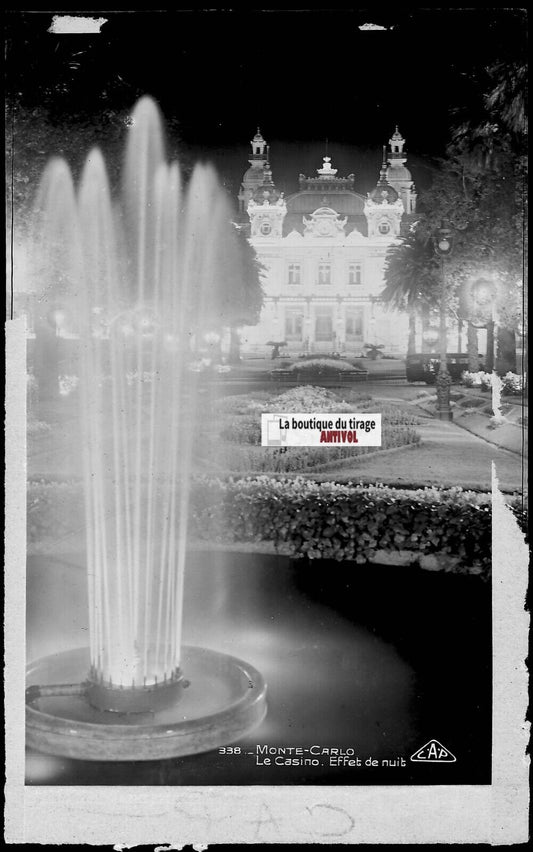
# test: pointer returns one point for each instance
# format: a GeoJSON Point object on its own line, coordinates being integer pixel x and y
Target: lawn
{"type": "Point", "coordinates": [417, 450]}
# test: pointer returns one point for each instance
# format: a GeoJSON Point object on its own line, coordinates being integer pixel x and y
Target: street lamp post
{"type": "Point", "coordinates": [443, 248]}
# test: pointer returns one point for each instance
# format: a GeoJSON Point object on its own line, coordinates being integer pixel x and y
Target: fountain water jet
{"type": "Point", "coordinates": [139, 279]}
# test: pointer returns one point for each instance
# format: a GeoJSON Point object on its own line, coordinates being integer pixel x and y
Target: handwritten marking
{"type": "Point", "coordinates": [269, 821]}
{"type": "Point", "coordinates": [335, 810]}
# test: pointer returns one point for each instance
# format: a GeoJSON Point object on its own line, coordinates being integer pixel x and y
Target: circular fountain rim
{"type": "Point", "coordinates": [80, 740]}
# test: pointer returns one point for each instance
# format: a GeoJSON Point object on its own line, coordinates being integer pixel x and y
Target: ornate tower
{"type": "Point", "coordinates": [383, 207]}
{"type": "Point", "coordinates": [398, 175]}
{"type": "Point", "coordinates": [267, 208]}
{"type": "Point", "coordinates": [253, 177]}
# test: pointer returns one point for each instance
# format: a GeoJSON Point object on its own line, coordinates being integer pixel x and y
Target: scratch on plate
{"type": "Point", "coordinates": [198, 847]}
{"type": "Point", "coordinates": [68, 24]}
{"type": "Point", "coordinates": [374, 27]}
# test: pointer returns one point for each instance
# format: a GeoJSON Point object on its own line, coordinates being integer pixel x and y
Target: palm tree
{"type": "Point", "coordinates": [411, 280]}
{"type": "Point", "coordinates": [497, 119]}
{"type": "Point", "coordinates": [493, 134]}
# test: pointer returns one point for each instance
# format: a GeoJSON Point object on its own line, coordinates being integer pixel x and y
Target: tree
{"type": "Point", "coordinates": [239, 294]}
{"type": "Point", "coordinates": [495, 137]}
{"type": "Point", "coordinates": [34, 135]}
{"type": "Point", "coordinates": [478, 190]}
{"type": "Point", "coordinates": [483, 205]}
{"type": "Point", "coordinates": [497, 120]}
{"type": "Point", "coordinates": [412, 279]}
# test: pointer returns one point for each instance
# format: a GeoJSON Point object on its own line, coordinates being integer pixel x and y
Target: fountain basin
{"type": "Point", "coordinates": [136, 699]}
{"type": "Point", "coordinates": [380, 659]}
{"type": "Point", "coordinates": [225, 699]}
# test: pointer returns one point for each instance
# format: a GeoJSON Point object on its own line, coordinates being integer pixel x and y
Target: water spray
{"type": "Point", "coordinates": [142, 272]}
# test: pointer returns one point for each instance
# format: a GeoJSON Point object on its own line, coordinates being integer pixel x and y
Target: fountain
{"type": "Point", "coordinates": [136, 279]}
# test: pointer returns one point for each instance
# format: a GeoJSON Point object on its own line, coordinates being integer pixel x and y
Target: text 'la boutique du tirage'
{"type": "Point", "coordinates": [311, 430]}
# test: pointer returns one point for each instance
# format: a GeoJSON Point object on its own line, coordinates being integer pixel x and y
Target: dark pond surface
{"type": "Point", "coordinates": [371, 661]}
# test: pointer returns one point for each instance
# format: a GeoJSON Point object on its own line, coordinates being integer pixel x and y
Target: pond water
{"type": "Point", "coordinates": [371, 662]}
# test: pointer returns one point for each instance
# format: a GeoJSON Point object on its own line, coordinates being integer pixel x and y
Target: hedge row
{"type": "Point", "coordinates": [337, 521]}
{"type": "Point", "coordinates": [308, 518]}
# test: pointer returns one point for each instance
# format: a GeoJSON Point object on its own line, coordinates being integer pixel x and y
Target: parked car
{"type": "Point", "coordinates": [425, 367]}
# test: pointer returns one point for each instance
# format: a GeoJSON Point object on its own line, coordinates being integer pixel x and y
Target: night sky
{"type": "Point", "coordinates": [304, 77]}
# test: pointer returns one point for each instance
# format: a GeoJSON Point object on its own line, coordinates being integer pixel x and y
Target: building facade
{"type": "Point", "coordinates": [323, 251]}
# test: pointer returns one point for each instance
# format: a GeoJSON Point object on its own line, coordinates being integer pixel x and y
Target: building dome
{"type": "Point", "coordinates": [398, 173]}
{"type": "Point", "coordinates": [384, 193]}
{"type": "Point", "coordinates": [253, 172]}
{"type": "Point", "coordinates": [266, 193]}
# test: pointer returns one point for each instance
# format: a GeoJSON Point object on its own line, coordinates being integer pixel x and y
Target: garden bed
{"type": "Point", "coordinates": [234, 441]}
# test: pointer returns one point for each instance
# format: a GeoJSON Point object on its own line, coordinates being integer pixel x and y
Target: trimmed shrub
{"type": "Point", "coordinates": [479, 379]}
{"type": "Point", "coordinates": [321, 367]}
{"type": "Point", "coordinates": [329, 520]}
{"type": "Point", "coordinates": [470, 379]}
{"type": "Point", "coordinates": [328, 356]}
{"type": "Point", "coordinates": [306, 518]}
{"type": "Point", "coordinates": [513, 384]}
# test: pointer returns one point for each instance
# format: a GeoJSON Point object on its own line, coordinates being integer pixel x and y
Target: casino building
{"type": "Point", "coordinates": [323, 249]}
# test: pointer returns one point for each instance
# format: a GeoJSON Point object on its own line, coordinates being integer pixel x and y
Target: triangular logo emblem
{"type": "Point", "coordinates": [433, 752]}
